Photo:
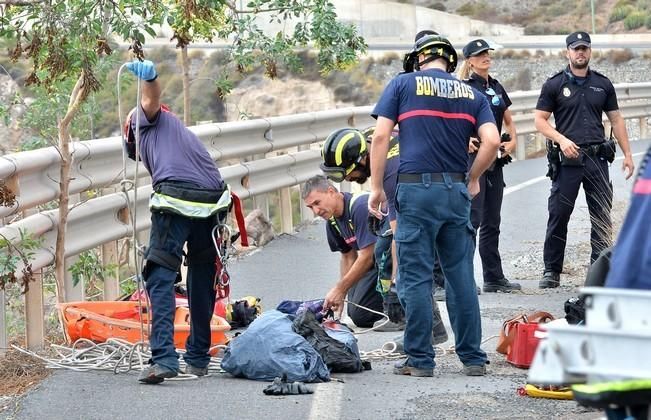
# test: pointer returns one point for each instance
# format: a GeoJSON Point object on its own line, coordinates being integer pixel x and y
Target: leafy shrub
{"type": "Point", "coordinates": [521, 81]}
{"type": "Point", "coordinates": [536, 29]}
{"type": "Point", "coordinates": [648, 22]}
{"type": "Point", "coordinates": [507, 54]}
{"type": "Point", "coordinates": [621, 3]}
{"type": "Point", "coordinates": [467, 9]}
{"type": "Point", "coordinates": [557, 9]}
{"type": "Point", "coordinates": [438, 6]}
{"type": "Point", "coordinates": [389, 58]}
{"type": "Point", "coordinates": [620, 13]}
{"type": "Point", "coordinates": [635, 20]}
{"type": "Point", "coordinates": [620, 56]}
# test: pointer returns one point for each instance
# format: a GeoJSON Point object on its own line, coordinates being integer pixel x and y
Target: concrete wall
{"type": "Point", "coordinates": [388, 21]}
{"type": "Point", "coordinates": [384, 21]}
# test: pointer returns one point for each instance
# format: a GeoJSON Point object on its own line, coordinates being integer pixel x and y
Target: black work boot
{"type": "Point", "coordinates": [501, 285]}
{"type": "Point", "coordinates": [550, 280]}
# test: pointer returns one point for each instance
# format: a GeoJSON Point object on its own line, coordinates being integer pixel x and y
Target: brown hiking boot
{"type": "Point", "coordinates": [402, 368]}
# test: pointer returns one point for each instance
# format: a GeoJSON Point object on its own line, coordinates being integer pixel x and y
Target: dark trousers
{"type": "Point", "coordinates": [599, 197]}
{"type": "Point", "coordinates": [485, 215]}
{"type": "Point", "coordinates": [364, 293]}
{"type": "Point", "coordinates": [169, 232]}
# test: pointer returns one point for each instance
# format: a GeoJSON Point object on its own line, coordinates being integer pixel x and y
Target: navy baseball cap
{"type": "Point", "coordinates": [476, 47]}
{"type": "Point", "coordinates": [577, 39]}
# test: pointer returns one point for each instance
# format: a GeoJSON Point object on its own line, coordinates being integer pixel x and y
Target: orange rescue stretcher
{"type": "Point", "coordinates": [99, 321]}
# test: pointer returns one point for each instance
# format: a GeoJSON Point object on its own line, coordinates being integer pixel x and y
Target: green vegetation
{"type": "Point", "coordinates": [89, 269]}
{"type": "Point", "coordinates": [620, 13]}
{"type": "Point", "coordinates": [635, 20]}
{"type": "Point", "coordinates": [68, 44]}
{"type": "Point", "coordinates": [633, 13]}
{"type": "Point", "coordinates": [17, 256]}
{"type": "Point", "coordinates": [479, 10]}
{"type": "Point", "coordinates": [548, 17]}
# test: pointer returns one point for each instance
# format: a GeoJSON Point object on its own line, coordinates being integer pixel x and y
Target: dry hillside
{"type": "Point", "coordinates": [553, 16]}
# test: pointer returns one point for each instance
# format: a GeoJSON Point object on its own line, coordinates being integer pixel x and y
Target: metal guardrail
{"type": "Point", "coordinates": [33, 175]}
{"type": "Point", "coordinates": [612, 344]}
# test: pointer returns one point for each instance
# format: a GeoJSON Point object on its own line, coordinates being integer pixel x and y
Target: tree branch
{"type": "Point", "coordinates": [20, 2]}
{"type": "Point", "coordinates": [234, 9]}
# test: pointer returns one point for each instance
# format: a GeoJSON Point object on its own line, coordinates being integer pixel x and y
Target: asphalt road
{"type": "Point", "coordinates": [300, 266]}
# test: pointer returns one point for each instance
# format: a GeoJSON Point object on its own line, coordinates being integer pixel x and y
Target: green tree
{"type": "Point", "coordinates": [67, 42]}
{"type": "Point", "coordinates": [307, 21]}
{"type": "Point", "coordinates": [13, 256]}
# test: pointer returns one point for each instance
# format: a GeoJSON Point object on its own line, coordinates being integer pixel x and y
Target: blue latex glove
{"type": "Point", "coordinates": [144, 70]}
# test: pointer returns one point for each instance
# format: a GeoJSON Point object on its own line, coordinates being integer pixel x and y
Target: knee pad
{"type": "Point", "coordinates": [161, 258]}
{"type": "Point", "coordinates": [206, 256]}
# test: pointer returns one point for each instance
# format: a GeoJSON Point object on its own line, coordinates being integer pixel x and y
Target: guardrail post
{"type": "Point", "coordinates": [521, 148]}
{"type": "Point", "coordinates": [286, 220]}
{"type": "Point", "coordinates": [644, 128]}
{"type": "Point", "coordinates": [112, 280]}
{"type": "Point", "coordinates": [73, 293]}
{"type": "Point", "coordinates": [539, 143]}
{"type": "Point", "coordinates": [34, 315]}
{"type": "Point", "coordinates": [261, 201]}
{"type": "Point", "coordinates": [3, 324]}
{"type": "Point", "coordinates": [306, 214]}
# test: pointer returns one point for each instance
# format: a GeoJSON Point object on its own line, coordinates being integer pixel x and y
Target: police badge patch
{"type": "Point", "coordinates": [567, 92]}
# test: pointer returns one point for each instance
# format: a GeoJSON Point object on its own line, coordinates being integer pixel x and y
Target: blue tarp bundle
{"type": "Point", "coordinates": [269, 348]}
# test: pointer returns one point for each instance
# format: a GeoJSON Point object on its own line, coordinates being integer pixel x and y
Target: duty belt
{"type": "Point", "coordinates": [591, 149]}
{"type": "Point", "coordinates": [431, 177]}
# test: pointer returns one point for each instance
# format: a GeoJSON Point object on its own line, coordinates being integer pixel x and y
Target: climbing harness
{"type": "Point", "coordinates": [221, 239]}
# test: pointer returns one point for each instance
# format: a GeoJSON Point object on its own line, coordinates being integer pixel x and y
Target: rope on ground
{"type": "Point", "coordinates": [114, 355]}
{"type": "Point", "coordinates": [374, 327]}
{"type": "Point", "coordinates": [389, 350]}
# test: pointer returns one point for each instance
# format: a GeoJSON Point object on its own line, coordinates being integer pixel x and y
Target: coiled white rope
{"type": "Point", "coordinates": [114, 355]}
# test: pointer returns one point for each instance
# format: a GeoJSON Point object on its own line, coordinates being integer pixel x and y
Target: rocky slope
{"type": "Point", "coordinates": [258, 96]}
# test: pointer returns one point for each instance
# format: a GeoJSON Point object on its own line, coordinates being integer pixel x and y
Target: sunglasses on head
{"type": "Point", "coordinates": [495, 100]}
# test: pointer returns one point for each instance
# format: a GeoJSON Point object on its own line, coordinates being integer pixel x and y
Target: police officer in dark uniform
{"type": "Point", "coordinates": [577, 96]}
{"type": "Point", "coordinates": [436, 114]}
{"type": "Point", "coordinates": [485, 214]}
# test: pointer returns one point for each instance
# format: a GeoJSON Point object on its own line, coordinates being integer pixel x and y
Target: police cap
{"type": "Point", "coordinates": [577, 39]}
{"type": "Point", "coordinates": [476, 47]}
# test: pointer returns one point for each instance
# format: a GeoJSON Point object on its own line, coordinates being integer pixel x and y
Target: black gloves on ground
{"type": "Point", "coordinates": [280, 386]}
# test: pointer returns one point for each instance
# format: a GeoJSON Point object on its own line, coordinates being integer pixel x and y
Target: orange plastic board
{"type": "Point", "coordinates": [99, 321]}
